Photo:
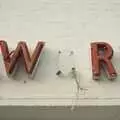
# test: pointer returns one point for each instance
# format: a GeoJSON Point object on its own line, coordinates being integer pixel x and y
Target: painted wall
{"type": "Point", "coordinates": [66, 25]}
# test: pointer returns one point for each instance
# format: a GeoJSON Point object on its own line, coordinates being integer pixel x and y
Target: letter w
{"type": "Point", "coordinates": [11, 58]}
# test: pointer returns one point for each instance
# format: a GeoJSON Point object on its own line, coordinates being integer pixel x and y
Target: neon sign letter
{"type": "Point", "coordinates": [11, 58]}
{"type": "Point", "coordinates": [101, 54]}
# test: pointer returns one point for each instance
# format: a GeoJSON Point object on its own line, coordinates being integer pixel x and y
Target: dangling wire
{"type": "Point", "coordinates": [76, 77]}
{"type": "Point", "coordinates": [77, 81]}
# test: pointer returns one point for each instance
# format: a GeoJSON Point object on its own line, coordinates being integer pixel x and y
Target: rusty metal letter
{"type": "Point", "coordinates": [101, 54]}
{"type": "Point", "coordinates": [11, 58]}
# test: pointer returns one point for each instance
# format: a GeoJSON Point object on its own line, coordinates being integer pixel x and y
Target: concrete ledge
{"type": "Point", "coordinates": [60, 102]}
{"type": "Point", "coordinates": [56, 113]}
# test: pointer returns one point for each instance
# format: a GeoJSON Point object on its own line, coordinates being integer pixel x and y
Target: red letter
{"type": "Point", "coordinates": [10, 59]}
{"type": "Point", "coordinates": [101, 54]}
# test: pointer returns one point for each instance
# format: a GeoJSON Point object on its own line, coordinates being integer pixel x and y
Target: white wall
{"type": "Point", "coordinates": [64, 25]}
